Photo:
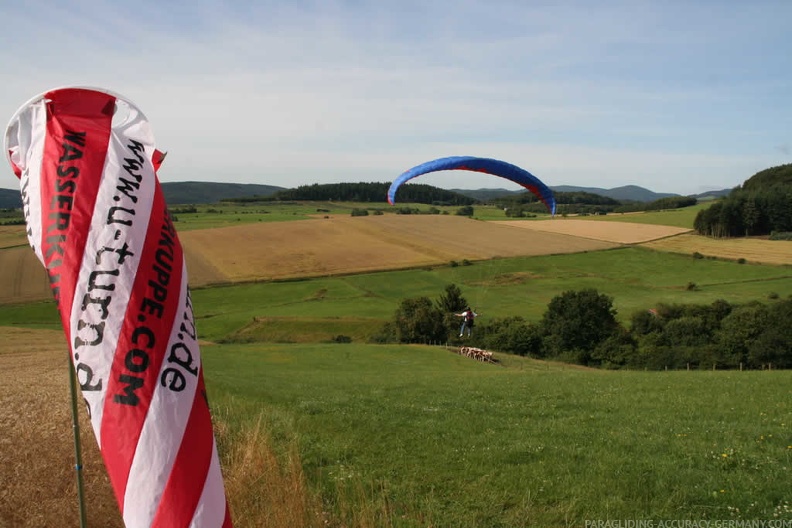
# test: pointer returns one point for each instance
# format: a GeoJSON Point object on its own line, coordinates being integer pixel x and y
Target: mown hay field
{"type": "Point", "coordinates": [754, 250]}
{"type": "Point", "coordinates": [616, 232]}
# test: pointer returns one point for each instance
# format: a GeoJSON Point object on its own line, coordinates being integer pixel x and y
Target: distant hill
{"type": "Point", "coordinates": [192, 192]}
{"type": "Point", "coordinates": [10, 199]}
{"type": "Point", "coordinates": [626, 193]}
{"type": "Point", "coordinates": [711, 195]}
{"type": "Point", "coordinates": [629, 193]}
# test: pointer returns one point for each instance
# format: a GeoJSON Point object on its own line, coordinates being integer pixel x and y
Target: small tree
{"type": "Point", "coordinates": [417, 320]}
{"type": "Point", "coordinates": [452, 300]}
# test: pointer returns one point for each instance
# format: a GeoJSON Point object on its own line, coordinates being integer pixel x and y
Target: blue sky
{"type": "Point", "coordinates": [674, 96]}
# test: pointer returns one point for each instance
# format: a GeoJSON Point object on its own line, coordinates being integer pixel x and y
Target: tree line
{"type": "Point", "coordinates": [586, 203]}
{"type": "Point", "coordinates": [369, 192]}
{"type": "Point", "coordinates": [580, 326]}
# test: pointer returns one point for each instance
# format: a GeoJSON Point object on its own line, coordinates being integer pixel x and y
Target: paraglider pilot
{"type": "Point", "coordinates": [468, 316]}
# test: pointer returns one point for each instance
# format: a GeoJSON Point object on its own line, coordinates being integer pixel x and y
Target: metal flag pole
{"type": "Point", "coordinates": [77, 450]}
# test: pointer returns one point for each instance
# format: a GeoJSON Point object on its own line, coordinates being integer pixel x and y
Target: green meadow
{"type": "Point", "coordinates": [229, 214]}
{"type": "Point", "coordinates": [419, 436]}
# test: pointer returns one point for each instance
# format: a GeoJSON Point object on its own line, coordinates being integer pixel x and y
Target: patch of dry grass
{"type": "Point", "coordinates": [38, 484]}
{"type": "Point", "coordinates": [616, 232]}
{"type": "Point", "coordinates": [751, 249]}
{"type": "Point", "coordinates": [263, 491]}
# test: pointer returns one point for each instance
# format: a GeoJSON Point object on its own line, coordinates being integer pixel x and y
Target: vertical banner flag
{"type": "Point", "coordinates": [97, 220]}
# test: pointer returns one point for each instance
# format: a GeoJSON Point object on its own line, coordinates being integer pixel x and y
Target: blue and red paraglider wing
{"type": "Point", "coordinates": [485, 165]}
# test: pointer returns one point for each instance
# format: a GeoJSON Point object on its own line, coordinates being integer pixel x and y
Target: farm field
{"type": "Point", "coordinates": [235, 214]}
{"type": "Point", "coordinates": [340, 244]}
{"type": "Point", "coordinates": [684, 217]}
{"type": "Point", "coordinates": [354, 245]}
{"type": "Point", "coordinates": [322, 247]}
{"type": "Point", "coordinates": [357, 305]}
{"type": "Point", "coordinates": [616, 232]}
{"type": "Point", "coordinates": [751, 249]}
{"type": "Point", "coordinates": [410, 436]}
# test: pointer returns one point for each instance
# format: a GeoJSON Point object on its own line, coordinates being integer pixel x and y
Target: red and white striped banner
{"type": "Point", "coordinates": [97, 220]}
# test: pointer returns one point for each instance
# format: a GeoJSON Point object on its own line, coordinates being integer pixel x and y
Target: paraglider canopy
{"type": "Point", "coordinates": [485, 165]}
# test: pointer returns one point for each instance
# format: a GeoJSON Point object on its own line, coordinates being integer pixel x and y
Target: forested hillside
{"type": "Point", "coordinates": [762, 206]}
{"type": "Point", "coordinates": [212, 192]}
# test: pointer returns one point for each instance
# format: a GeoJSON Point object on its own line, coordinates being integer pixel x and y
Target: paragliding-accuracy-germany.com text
{"type": "Point", "coordinates": [688, 523]}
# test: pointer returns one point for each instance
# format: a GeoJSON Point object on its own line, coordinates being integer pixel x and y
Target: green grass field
{"type": "Point", "coordinates": [224, 215]}
{"type": "Point", "coordinates": [419, 436]}
{"type": "Point", "coordinates": [673, 217]}
{"type": "Point", "coordinates": [355, 305]}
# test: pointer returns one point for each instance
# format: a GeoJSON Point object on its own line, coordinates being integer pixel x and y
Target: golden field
{"type": "Point", "coordinates": [756, 250]}
{"type": "Point", "coordinates": [616, 232]}
{"type": "Point", "coordinates": [323, 246]}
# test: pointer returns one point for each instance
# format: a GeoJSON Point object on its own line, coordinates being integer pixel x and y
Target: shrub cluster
{"type": "Point", "coordinates": [581, 327]}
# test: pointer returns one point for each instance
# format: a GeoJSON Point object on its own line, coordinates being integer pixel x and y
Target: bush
{"type": "Point", "coordinates": [359, 212]}
{"type": "Point", "coordinates": [465, 211]}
